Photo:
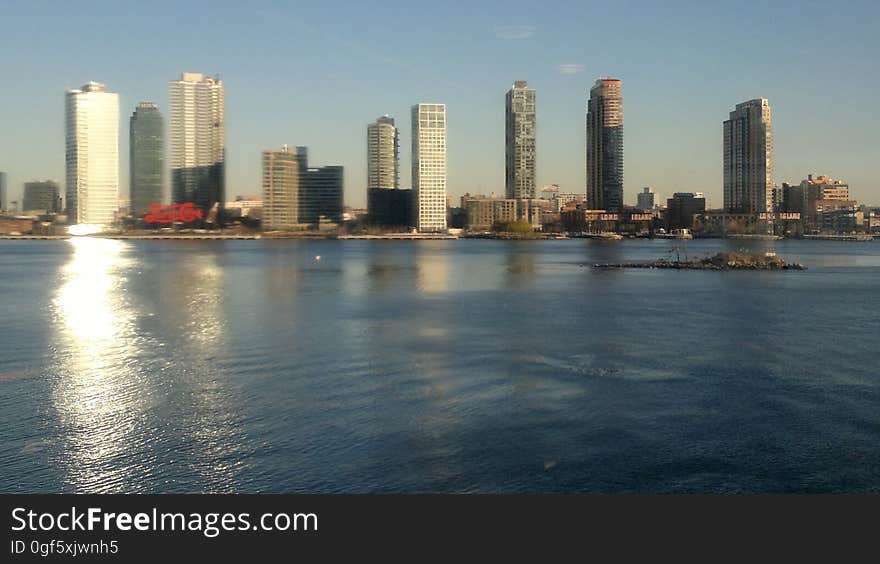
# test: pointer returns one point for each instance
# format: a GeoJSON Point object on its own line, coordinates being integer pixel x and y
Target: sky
{"type": "Point", "coordinates": [316, 73]}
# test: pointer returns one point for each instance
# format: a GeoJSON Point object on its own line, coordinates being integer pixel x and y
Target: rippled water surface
{"type": "Point", "coordinates": [435, 366]}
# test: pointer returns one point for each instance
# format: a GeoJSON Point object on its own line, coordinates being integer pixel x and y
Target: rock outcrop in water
{"type": "Point", "coordinates": [719, 261]}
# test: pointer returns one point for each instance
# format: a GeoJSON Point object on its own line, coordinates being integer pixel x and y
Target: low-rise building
{"type": "Point", "coordinates": [41, 197]}
{"type": "Point", "coordinates": [485, 211]}
{"type": "Point", "coordinates": [682, 207]}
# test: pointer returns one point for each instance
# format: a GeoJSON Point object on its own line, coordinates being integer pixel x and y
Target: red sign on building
{"type": "Point", "coordinates": [176, 212]}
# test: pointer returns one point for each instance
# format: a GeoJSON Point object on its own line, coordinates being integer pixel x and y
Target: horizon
{"type": "Point", "coordinates": [283, 88]}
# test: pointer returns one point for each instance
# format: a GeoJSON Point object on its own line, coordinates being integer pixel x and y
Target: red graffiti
{"type": "Point", "coordinates": [176, 212]}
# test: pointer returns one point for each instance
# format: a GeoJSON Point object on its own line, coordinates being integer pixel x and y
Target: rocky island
{"type": "Point", "coordinates": [718, 261]}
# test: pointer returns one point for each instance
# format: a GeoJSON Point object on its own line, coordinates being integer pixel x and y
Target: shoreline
{"type": "Point", "coordinates": [409, 237]}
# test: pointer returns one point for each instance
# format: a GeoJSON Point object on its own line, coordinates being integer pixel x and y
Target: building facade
{"type": "Point", "coordinates": [645, 199]}
{"type": "Point", "coordinates": [296, 196]}
{"type": "Point", "coordinates": [198, 141]}
{"type": "Point", "coordinates": [682, 207]}
{"type": "Point", "coordinates": [429, 166]}
{"type": "Point", "coordinates": [146, 149]}
{"type": "Point", "coordinates": [322, 200]}
{"type": "Point", "coordinates": [41, 197]}
{"type": "Point", "coordinates": [92, 155]}
{"type": "Point", "coordinates": [390, 208]}
{"type": "Point", "coordinates": [383, 154]}
{"type": "Point", "coordinates": [605, 145]}
{"type": "Point", "coordinates": [520, 127]}
{"type": "Point", "coordinates": [748, 158]}
{"type": "Point", "coordinates": [283, 172]}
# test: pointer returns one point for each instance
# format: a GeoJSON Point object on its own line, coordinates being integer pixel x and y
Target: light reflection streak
{"type": "Point", "coordinates": [94, 392]}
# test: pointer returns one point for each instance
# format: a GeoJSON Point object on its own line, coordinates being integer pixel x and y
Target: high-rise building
{"type": "Point", "coordinates": [41, 196]}
{"type": "Point", "coordinates": [387, 204]}
{"type": "Point", "coordinates": [3, 202]}
{"type": "Point", "coordinates": [429, 166]}
{"type": "Point", "coordinates": [748, 158]}
{"type": "Point", "coordinates": [198, 141]}
{"type": "Point", "coordinates": [296, 196]}
{"type": "Point", "coordinates": [383, 149]}
{"type": "Point", "coordinates": [283, 172]}
{"type": "Point", "coordinates": [645, 199]}
{"type": "Point", "coordinates": [146, 157]}
{"type": "Point", "coordinates": [92, 155]}
{"type": "Point", "coordinates": [519, 141]}
{"type": "Point", "coordinates": [605, 145]}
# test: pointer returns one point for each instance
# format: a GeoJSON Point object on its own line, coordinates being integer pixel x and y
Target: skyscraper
{"type": "Point", "coordinates": [605, 145]}
{"type": "Point", "coordinates": [519, 136]}
{"type": "Point", "coordinates": [387, 204]}
{"type": "Point", "coordinates": [198, 141]}
{"type": "Point", "coordinates": [383, 150]}
{"type": "Point", "coordinates": [146, 157]}
{"type": "Point", "coordinates": [429, 166]}
{"type": "Point", "coordinates": [3, 202]}
{"type": "Point", "coordinates": [282, 173]}
{"type": "Point", "coordinates": [748, 158]}
{"type": "Point", "coordinates": [92, 155]}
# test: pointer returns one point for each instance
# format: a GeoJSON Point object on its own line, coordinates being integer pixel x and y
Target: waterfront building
{"type": "Point", "coordinates": [3, 202]}
{"type": "Point", "coordinates": [283, 173]}
{"type": "Point", "coordinates": [645, 199]}
{"type": "Point", "coordinates": [296, 196]}
{"type": "Point", "coordinates": [92, 155]}
{"type": "Point", "coordinates": [41, 197]}
{"type": "Point", "coordinates": [604, 158]}
{"type": "Point", "coordinates": [837, 216]}
{"type": "Point", "coordinates": [682, 207]}
{"type": "Point", "coordinates": [250, 206]}
{"type": "Point", "coordinates": [391, 208]}
{"type": "Point", "coordinates": [429, 166]}
{"type": "Point", "coordinates": [748, 158]}
{"type": "Point", "coordinates": [322, 200]}
{"type": "Point", "coordinates": [383, 154]}
{"type": "Point", "coordinates": [198, 141]}
{"type": "Point", "coordinates": [520, 128]}
{"type": "Point", "coordinates": [387, 204]}
{"type": "Point", "coordinates": [483, 212]}
{"type": "Point", "coordinates": [824, 187]}
{"type": "Point", "coordinates": [146, 157]}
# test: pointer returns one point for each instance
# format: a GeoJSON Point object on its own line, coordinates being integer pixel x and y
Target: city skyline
{"type": "Point", "coordinates": [663, 150]}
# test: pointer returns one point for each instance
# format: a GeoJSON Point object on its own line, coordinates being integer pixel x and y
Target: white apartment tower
{"type": "Point", "coordinates": [197, 140]}
{"type": "Point", "coordinates": [429, 166]}
{"type": "Point", "coordinates": [92, 155]}
{"type": "Point", "coordinates": [748, 158]}
{"type": "Point", "coordinates": [383, 154]}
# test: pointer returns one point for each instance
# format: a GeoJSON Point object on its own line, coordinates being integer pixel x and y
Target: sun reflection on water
{"type": "Point", "coordinates": [91, 389]}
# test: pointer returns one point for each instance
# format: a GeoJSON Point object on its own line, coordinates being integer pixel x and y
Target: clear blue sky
{"type": "Point", "coordinates": [315, 73]}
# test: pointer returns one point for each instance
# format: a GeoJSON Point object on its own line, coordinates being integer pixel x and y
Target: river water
{"type": "Point", "coordinates": [435, 366]}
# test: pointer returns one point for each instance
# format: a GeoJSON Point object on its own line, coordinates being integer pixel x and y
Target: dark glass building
{"type": "Point", "coordinates": [681, 208]}
{"type": "Point", "coordinates": [391, 208]}
{"type": "Point", "coordinates": [321, 195]}
{"type": "Point", "coordinates": [146, 157]}
{"type": "Point", "coordinates": [605, 146]}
